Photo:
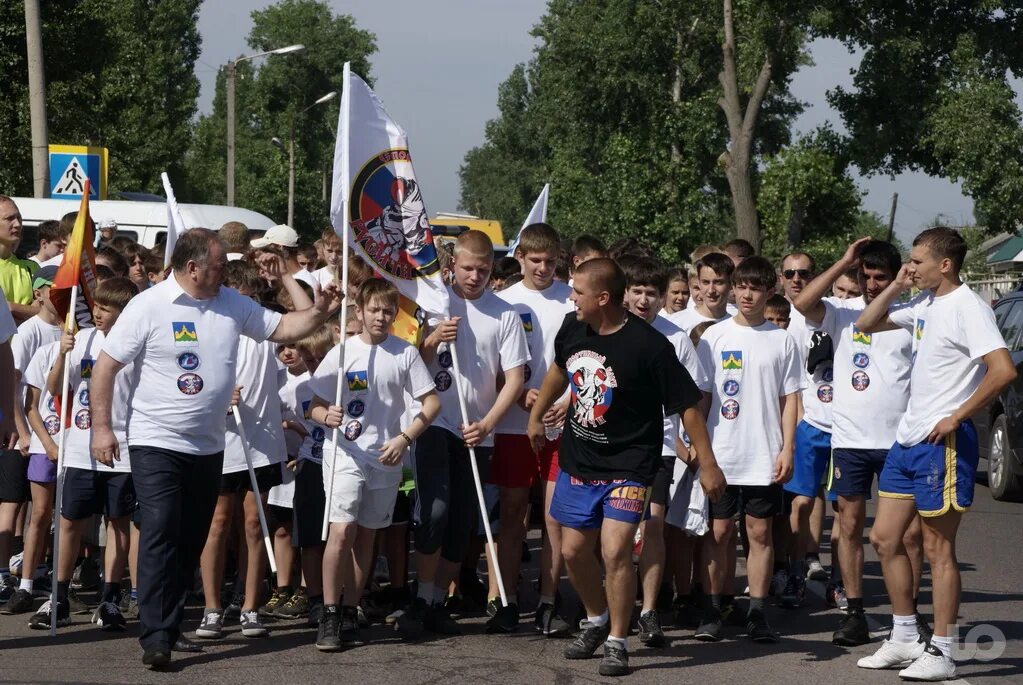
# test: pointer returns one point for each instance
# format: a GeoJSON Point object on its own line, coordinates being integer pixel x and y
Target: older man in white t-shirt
{"type": "Point", "coordinates": [183, 336]}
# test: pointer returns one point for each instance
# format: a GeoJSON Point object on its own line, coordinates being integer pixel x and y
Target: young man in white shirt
{"type": "Point", "coordinates": [488, 337]}
{"type": "Point", "coordinates": [960, 365]}
{"type": "Point", "coordinates": [714, 272]}
{"type": "Point", "coordinates": [753, 379]}
{"type": "Point", "coordinates": [331, 247]}
{"type": "Point", "coordinates": [647, 281]}
{"type": "Point", "coordinates": [380, 370]}
{"type": "Point", "coordinates": [541, 303]}
{"type": "Point", "coordinates": [52, 241]}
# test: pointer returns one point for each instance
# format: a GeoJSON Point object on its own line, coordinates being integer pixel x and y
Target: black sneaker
{"type": "Point", "coordinates": [710, 626]}
{"type": "Point", "coordinates": [86, 575]}
{"type": "Point", "coordinates": [8, 586]}
{"type": "Point", "coordinates": [41, 619]}
{"type": "Point", "coordinates": [923, 628]}
{"type": "Point", "coordinates": [276, 599]}
{"type": "Point", "coordinates": [233, 610]}
{"type": "Point", "coordinates": [794, 592]}
{"type": "Point", "coordinates": [21, 602]}
{"type": "Point", "coordinates": [349, 634]}
{"type": "Point", "coordinates": [615, 661]}
{"type": "Point", "coordinates": [548, 622]}
{"type": "Point", "coordinates": [506, 620]}
{"type": "Point", "coordinates": [410, 624]}
{"type": "Point", "coordinates": [108, 617]}
{"type": "Point", "coordinates": [328, 637]}
{"type": "Point", "coordinates": [650, 632]}
{"type": "Point", "coordinates": [315, 611]}
{"type": "Point", "coordinates": [852, 631]}
{"type": "Point", "coordinates": [76, 603]}
{"type": "Point", "coordinates": [474, 591]}
{"type": "Point", "coordinates": [437, 619]}
{"type": "Point", "coordinates": [42, 586]}
{"type": "Point", "coordinates": [587, 640]}
{"type": "Point", "coordinates": [758, 629]}
{"type": "Point", "coordinates": [493, 606]}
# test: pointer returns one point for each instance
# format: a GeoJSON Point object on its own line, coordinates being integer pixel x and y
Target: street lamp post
{"type": "Point", "coordinates": [231, 71]}
{"type": "Point", "coordinates": [291, 154]}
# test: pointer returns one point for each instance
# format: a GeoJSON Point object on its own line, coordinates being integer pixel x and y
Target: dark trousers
{"type": "Point", "coordinates": [177, 494]}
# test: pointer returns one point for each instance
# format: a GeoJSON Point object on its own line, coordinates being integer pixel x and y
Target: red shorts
{"type": "Point", "coordinates": [514, 465]}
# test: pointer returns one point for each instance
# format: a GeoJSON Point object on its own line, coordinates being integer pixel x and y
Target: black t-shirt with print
{"type": "Point", "coordinates": [623, 385]}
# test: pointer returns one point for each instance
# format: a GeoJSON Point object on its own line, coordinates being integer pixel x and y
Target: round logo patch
{"type": "Point", "coordinates": [51, 404]}
{"type": "Point", "coordinates": [83, 419]}
{"type": "Point", "coordinates": [730, 388]}
{"type": "Point", "coordinates": [861, 360]}
{"type": "Point", "coordinates": [356, 408]}
{"type": "Point", "coordinates": [190, 383]}
{"type": "Point", "coordinates": [828, 375]}
{"type": "Point", "coordinates": [444, 359]}
{"type": "Point", "coordinates": [442, 380]}
{"type": "Point", "coordinates": [318, 434]}
{"type": "Point", "coordinates": [825, 393]}
{"type": "Point", "coordinates": [83, 397]}
{"type": "Point", "coordinates": [730, 410]}
{"type": "Point", "coordinates": [860, 381]}
{"type": "Point", "coordinates": [353, 430]}
{"type": "Point", "coordinates": [527, 372]}
{"type": "Point", "coordinates": [52, 424]}
{"type": "Point", "coordinates": [188, 361]}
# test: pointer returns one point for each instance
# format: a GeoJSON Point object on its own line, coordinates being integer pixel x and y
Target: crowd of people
{"type": "Point", "coordinates": [654, 421]}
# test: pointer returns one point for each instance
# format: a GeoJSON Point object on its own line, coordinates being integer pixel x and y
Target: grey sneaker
{"type": "Point", "coordinates": [650, 632]}
{"type": "Point", "coordinates": [212, 625]}
{"type": "Point", "coordinates": [41, 619]}
{"type": "Point", "coordinates": [548, 622]}
{"type": "Point", "coordinates": [251, 626]}
{"type": "Point", "coordinates": [615, 661]}
{"type": "Point", "coordinates": [587, 641]}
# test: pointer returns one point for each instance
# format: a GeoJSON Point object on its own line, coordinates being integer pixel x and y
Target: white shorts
{"type": "Point", "coordinates": [363, 494]}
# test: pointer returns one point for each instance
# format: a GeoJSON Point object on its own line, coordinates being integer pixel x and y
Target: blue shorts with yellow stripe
{"type": "Point", "coordinates": [939, 478]}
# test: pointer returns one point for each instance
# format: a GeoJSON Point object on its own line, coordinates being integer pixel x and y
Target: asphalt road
{"type": "Point", "coordinates": [990, 553]}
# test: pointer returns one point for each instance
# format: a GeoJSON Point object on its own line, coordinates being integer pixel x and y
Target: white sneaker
{"type": "Point", "coordinates": [212, 625]}
{"type": "Point", "coordinates": [892, 655]}
{"type": "Point", "coordinates": [931, 665]}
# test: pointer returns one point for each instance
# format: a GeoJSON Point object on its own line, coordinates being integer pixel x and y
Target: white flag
{"type": "Point", "coordinates": [537, 215]}
{"type": "Point", "coordinates": [175, 224]}
{"type": "Point", "coordinates": [376, 205]}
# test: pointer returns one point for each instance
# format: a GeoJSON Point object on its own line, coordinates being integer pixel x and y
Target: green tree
{"type": "Point", "coordinates": [269, 100]}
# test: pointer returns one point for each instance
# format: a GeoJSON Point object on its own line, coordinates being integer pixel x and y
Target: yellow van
{"type": "Point", "coordinates": [450, 226]}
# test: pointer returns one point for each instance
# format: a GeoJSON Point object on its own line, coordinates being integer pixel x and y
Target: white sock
{"type": "Point", "coordinates": [617, 641]}
{"type": "Point", "coordinates": [26, 584]}
{"type": "Point", "coordinates": [544, 599]}
{"type": "Point", "coordinates": [599, 620]}
{"type": "Point", "coordinates": [944, 644]}
{"type": "Point", "coordinates": [426, 592]}
{"type": "Point", "coordinates": [904, 629]}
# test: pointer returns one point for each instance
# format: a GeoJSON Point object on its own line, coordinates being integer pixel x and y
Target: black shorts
{"type": "Point", "coordinates": [13, 476]}
{"type": "Point", "coordinates": [89, 493]}
{"type": "Point", "coordinates": [758, 501]}
{"type": "Point", "coordinates": [267, 476]}
{"type": "Point", "coordinates": [277, 515]}
{"type": "Point", "coordinates": [402, 509]}
{"type": "Point", "coordinates": [309, 504]}
{"type": "Point", "coordinates": [660, 490]}
{"type": "Point", "coordinates": [853, 471]}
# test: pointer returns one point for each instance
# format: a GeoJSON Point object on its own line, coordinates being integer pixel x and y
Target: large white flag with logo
{"type": "Point", "coordinates": [175, 222]}
{"type": "Point", "coordinates": [376, 205]}
{"type": "Point", "coordinates": [537, 215]}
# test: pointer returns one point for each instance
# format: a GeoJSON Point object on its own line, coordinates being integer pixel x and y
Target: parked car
{"type": "Point", "coordinates": [1000, 425]}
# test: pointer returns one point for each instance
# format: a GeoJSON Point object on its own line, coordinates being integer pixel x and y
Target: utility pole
{"type": "Point", "coordinates": [891, 217]}
{"type": "Point", "coordinates": [37, 100]}
{"type": "Point", "coordinates": [230, 133]}
{"type": "Point", "coordinates": [291, 174]}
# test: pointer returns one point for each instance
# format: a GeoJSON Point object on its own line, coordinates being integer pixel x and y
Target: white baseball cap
{"type": "Point", "coordinates": [280, 234]}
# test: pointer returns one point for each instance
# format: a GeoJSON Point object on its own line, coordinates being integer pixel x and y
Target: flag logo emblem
{"type": "Point", "coordinates": [920, 329]}
{"type": "Point", "coordinates": [860, 337]}
{"type": "Point", "coordinates": [184, 333]}
{"type": "Point", "coordinates": [357, 380]}
{"type": "Point", "coordinates": [87, 365]}
{"type": "Point", "coordinates": [527, 322]}
{"type": "Point", "coordinates": [731, 360]}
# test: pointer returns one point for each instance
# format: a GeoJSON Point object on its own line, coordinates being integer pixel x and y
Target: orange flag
{"type": "Point", "coordinates": [78, 266]}
{"type": "Point", "coordinates": [408, 325]}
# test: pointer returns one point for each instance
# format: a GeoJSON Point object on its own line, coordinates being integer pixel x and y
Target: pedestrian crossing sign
{"type": "Point", "coordinates": [71, 165]}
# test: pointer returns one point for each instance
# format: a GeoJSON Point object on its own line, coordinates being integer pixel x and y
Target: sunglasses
{"type": "Point", "coordinates": [789, 274]}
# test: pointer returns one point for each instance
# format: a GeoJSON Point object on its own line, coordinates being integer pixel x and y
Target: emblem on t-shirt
{"type": "Point", "coordinates": [731, 360]}
{"type": "Point", "coordinates": [730, 409]}
{"type": "Point", "coordinates": [356, 408]}
{"type": "Point", "coordinates": [730, 388]}
{"type": "Point", "coordinates": [188, 361]}
{"type": "Point", "coordinates": [444, 359]}
{"type": "Point", "coordinates": [593, 384]}
{"type": "Point", "coordinates": [527, 322]}
{"type": "Point", "coordinates": [358, 381]}
{"type": "Point", "coordinates": [861, 360]}
{"type": "Point", "coordinates": [919, 329]}
{"type": "Point", "coordinates": [190, 383]}
{"type": "Point", "coordinates": [353, 430]}
{"type": "Point", "coordinates": [305, 409]}
{"type": "Point", "coordinates": [83, 397]}
{"type": "Point", "coordinates": [87, 364]}
{"type": "Point", "coordinates": [52, 424]}
{"type": "Point", "coordinates": [184, 333]}
{"type": "Point", "coordinates": [318, 434]}
{"type": "Point", "coordinates": [825, 393]}
{"type": "Point", "coordinates": [51, 403]}
{"type": "Point", "coordinates": [860, 381]}
{"type": "Point", "coordinates": [83, 419]}
{"type": "Point", "coordinates": [442, 381]}
{"type": "Point", "coordinates": [859, 337]}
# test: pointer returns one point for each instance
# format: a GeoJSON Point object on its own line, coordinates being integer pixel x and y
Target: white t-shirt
{"type": "Point", "coordinates": [31, 335]}
{"type": "Point", "coordinates": [730, 308]}
{"type": "Point", "coordinates": [260, 409]}
{"type": "Point", "coordinates": [688, 319]}
{"type": "Point", "coordinates": [35, 375]}
{"type": "Point", "coordinates": [307, 277]}
{"type": "Point", "coordinates": [324, 275]}
{"type": "Point", "coordinates": [951, 334]}
{"type": "Point", "coordinates": [490, 339]}
{"type": "Point", "coordinates": [186, 352]}
{"type": "Point", "coordinates": [376, 380]}
{"type": "Point", "coordinates": [818, 392]}
{"type": "Point", "coordinates": [871, 372]}
{"type": "Point", "coordinates": [541, 313]}
{"type": "Point", "coordinates": [748, 370]}
{"type": "Point", "coordinates": [78, 439]}
{"type": "Point", "coordinates": [679, 340]}
{"type": "Point", "coordinates": [300, 397]}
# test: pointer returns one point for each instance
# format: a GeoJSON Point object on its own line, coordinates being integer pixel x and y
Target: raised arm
{"type": "Point", "coordinates": [809, 301]}
{"type": "Point", "coordinates": [297, 325]}
{"type": "Point", "coordinates": [875, 317]}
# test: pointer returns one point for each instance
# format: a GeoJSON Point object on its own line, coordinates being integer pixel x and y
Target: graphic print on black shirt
{"type": "Point", "coordinates": [622, 385]}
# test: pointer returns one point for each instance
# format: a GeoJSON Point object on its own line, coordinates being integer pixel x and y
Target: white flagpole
{"type": "Point", "coordinates": [255, 492]}
{"type": "Point", "coordinates": [64, 411]}
{"type": "Point", "coordinates": [345, 189]}
{"type": "Point", "coordinates": [476, 478]}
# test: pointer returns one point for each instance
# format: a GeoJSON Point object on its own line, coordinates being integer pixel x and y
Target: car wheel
{"type": "Point", "coordinates": [1004, 479]}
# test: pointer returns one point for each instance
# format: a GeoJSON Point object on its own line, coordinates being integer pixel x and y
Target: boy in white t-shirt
{"type": "Point", "coordinates": [960, 365]}
{"type": "Point", "coordinates": [379, 370]}
{"type": "Point", "coordinates": [753, 378]}
{"type": "Point", "coordinates": [714, 271]}
{"type": "Point", "coordinates": [541, 303]}
{"type": "Point", "coordinates": [91, 488]}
